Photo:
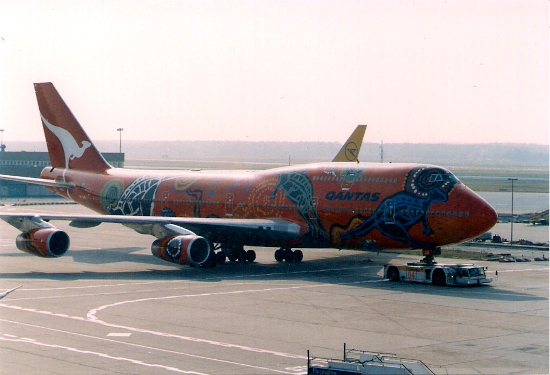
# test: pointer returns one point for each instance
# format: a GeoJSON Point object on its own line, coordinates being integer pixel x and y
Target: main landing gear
{"type": "Point", "coordinates": [236, 253]}
{"type": "Point", "coordinates": [233, 252]}
{"type": "Point", "coordinates": [285, 253]}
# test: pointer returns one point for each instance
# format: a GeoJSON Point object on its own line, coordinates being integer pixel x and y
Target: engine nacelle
{"type": "Point", "coordinates": [191, 249]}
{"type": "Point", "coordinates": [43, 242]}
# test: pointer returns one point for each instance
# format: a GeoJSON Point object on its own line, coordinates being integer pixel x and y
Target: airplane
{"type": "Point", "coordinates": [202, 218]}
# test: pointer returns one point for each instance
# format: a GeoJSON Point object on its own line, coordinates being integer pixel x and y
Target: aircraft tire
{"type": "Point", "coordinates": [279, 255]}
{"type": "Point", "coordinates": [288, 255]}
{"type": "Point", "coordinates": [393, 273]}
{"type": "Point", "coordinates": [220, 257]}
{"type": "Point", "coordinates": [250, 256]}
{"type": "Point", "coordinates": [298, 256]}
{"type": "Point", "coordinates": [241, 255]}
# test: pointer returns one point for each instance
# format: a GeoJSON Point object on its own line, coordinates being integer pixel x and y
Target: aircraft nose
{"type": "Point", "coordinates": [482, 216]}
{"type": "Point", "coordinates": [485, 214]}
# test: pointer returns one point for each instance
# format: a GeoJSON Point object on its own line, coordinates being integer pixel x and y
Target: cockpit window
{"type": "Point", "coordinates": [442, 176]}
{"type": "Point", "coordinates": [436, 177]}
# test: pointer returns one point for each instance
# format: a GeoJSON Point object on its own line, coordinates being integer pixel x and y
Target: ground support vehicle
{"type": "Point", "coordinates": [460, 274]}
{"type": "Point", "coordinates": [363, 362]}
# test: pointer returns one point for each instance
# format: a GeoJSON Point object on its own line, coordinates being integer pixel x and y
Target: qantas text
{"type": "Point", "coordinates": [350, 196]}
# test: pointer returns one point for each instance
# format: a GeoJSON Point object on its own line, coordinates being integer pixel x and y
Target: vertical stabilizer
{"type": "Point", "coordinates": [68, 144]}
{"type": "Point", "coordinates": [350, 149]}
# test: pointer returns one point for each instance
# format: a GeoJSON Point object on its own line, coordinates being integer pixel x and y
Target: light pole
{"type": "Point", "coordinates": [2, 147]}
{"type": "Point", "coordinates": [119, 130]}
{"type": "Point", "coordinates": [512, 221]}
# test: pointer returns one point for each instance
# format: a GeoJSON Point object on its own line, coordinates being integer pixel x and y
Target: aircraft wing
{"type": "Point", "coordinates": [38, 181]}
{"type": "Point", "coordinates": [162, 226]}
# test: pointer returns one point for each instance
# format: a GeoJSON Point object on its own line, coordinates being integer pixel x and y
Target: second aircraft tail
{"type": "Point", "coordinates": [350, 150]}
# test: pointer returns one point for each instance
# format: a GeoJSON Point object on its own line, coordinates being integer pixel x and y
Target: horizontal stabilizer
{"type": "Point", "coordinates": [38, 181]}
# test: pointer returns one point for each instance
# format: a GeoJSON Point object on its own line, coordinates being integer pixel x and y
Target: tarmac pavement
{"type": "Point", "coordinates": [109, 307]}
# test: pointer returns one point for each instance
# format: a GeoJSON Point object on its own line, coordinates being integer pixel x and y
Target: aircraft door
{"type": "Point", "coordinates": [229, 204]}
{"type": "Point", "coordinates": [165, 196]}
{"type": "Point", "coordinates": [389, 212]}
{"type": "Point", "coordinates": [313, 210]}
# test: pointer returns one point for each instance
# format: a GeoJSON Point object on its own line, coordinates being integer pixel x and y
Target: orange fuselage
{"type": "Point", "coordinates": [342, 205]}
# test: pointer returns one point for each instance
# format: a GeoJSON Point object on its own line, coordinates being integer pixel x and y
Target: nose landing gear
{"type": "Point", "coordinates": [429, 255]}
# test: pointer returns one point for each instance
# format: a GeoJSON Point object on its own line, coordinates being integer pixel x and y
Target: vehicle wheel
{"type": "Point", "coordinates": [438, 277]}
{"type": "Point", "coordinates": [298, 255]}
{"type": "Point", "coordinates": [279, 255]}
{"type": "Point", "coordinates": [393, 274]}
{"type": "Point", "coordinates": [250, 256]}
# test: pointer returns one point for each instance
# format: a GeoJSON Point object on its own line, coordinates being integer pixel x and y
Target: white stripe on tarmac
{"type": "Point", "coordinates": [13, 338]}
{"type": "Point", "coordinates": [10, 338]}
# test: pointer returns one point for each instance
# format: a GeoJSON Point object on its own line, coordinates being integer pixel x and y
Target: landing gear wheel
{"type": "Point", "coordinates": [393, 274]}
{"type": "Point", "coordinates": [220, 257]}
{"type": "Point", "coordinates": [241, 255]}
{"type": "Point", "coordinates": [279, 255]}
{"type": "Point", "coordinates": [298, 256]}
{"type": "Point", "coordinates": [288, 255]}
{"type": "Point", "coordinates": [250, 256]}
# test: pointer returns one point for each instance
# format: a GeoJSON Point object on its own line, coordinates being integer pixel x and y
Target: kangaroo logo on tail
{"type": "Point", "coordinates": [70, 147]}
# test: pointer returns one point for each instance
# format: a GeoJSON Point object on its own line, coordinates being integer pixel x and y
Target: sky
{"type": "Point", "coordinates": [422, 71]}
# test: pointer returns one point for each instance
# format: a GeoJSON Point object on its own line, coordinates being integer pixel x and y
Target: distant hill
{"type": "Point", "coordinates": [487, 155]}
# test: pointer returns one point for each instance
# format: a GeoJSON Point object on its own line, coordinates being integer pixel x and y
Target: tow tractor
{"type": "Point", "coordinates": [359, 362]}
{"type": "Point", "coordinates": [427, 271]}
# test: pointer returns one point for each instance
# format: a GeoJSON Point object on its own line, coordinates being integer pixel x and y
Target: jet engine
{"type": "Point", "coordinates": [189, 249]}
{"type": "Point", "coordinates": [43, 242]}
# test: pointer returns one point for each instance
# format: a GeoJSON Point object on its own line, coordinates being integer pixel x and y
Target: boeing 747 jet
{"type": "Point", "coordinates": [202, 218]}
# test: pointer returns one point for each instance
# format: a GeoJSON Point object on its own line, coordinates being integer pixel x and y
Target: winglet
{"type": "Point", "coordinates": [69, 146]}
{"type": "Point", "coordinates": [350, 150]}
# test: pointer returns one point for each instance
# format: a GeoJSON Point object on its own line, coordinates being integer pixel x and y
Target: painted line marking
{"type": "Point", "coordinates": [98, 354]}
{"type": "Point", "coordinates": [115, 334]}
{"type": "Point", "coordinates": [93, 319]}
{"type": "Point", "coordinates": [149, 348]}
{"type": "Point", "coordinates": [524, 270]}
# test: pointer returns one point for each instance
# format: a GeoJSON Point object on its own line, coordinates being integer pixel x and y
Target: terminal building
{"type": "Point", "coordinates": [30, 164]}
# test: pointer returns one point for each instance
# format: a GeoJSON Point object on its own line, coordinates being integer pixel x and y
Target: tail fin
{"type": "Point", "coordinates": [68, 145]}
{"type": "Point", "coordinates": [350, 149]}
